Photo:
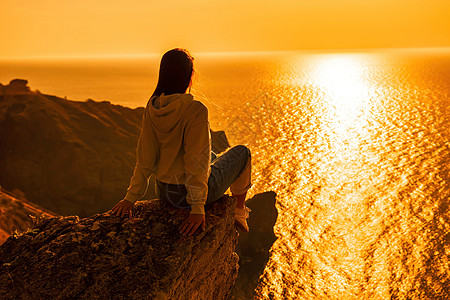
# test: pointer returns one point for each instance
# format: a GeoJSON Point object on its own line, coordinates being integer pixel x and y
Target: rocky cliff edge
{"type": "Point", "coordinates": [106, 257]}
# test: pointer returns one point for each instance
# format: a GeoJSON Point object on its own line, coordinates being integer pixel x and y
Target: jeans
{"type": "Point", "coordinates": [232, 169]}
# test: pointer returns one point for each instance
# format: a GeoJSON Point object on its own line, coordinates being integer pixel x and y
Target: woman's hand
{"type": "Point", "coordinates": [123, 208]}
{"type": "Point", "coordinates": [192, 223]}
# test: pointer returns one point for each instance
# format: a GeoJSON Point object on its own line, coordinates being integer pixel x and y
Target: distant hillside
{"type": "Point", "coordinates": [70, 157]}
{"type": "Point", "coordinates": [15, 214]}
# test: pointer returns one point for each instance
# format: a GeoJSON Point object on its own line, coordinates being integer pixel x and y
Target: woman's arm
{"type": "Point", "coordinates": [197, 158]}
{"type": "Point", "coordinates": [147, 153]}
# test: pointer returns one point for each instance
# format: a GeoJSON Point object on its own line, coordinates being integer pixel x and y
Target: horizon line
{"type": "Point", "coordinates": [223, 53]}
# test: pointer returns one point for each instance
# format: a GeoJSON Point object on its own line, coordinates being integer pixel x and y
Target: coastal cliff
{"type": "Point", "coordinates": [69, 157]}
{"type": "Point", "coordinates": [104, 257]}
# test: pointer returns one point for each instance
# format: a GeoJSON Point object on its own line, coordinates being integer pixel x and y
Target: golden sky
{"type": "Point", "coordinates": [116, 27]}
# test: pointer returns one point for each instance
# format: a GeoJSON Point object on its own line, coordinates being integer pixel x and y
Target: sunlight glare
{"type": "Point", "coordinates": [341, 77]}
{"type": "Point", "coordinates": [346, 92]}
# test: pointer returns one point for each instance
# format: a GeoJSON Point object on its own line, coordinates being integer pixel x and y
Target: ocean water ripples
{"type": "Point", "coordinates": [357, 149]}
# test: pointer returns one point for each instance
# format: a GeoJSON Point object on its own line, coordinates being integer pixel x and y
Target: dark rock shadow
{"type": "Point", "coordinates": [219, 141]}
{"type": "Point", "coordinates": [253, 247]}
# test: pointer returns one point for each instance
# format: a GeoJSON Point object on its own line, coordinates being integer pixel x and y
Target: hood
{"type": "Point", "coordinates": [167, 111]}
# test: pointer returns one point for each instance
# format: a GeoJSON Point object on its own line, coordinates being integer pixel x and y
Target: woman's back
{"type": "Point", "coordinates": [171, 117]}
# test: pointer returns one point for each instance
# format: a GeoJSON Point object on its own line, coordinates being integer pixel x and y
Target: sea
{"type": "Point", "coordinates": [356, 146]}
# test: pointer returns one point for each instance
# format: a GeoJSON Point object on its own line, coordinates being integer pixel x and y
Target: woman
{"type": "Point", "coordinates": [175, 146]}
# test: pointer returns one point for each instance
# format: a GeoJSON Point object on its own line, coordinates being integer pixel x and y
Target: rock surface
{"type": "Point", "coordinates": [15, 87]}
{"type": "Point", "coordinates": [70, 157]}
{"type": "Point", "coordinates": [104, 257]}
{"type": "Point", "coordinates": [15, 214]}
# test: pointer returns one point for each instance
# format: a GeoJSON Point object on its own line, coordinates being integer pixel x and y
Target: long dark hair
{"type": "Point", "coordinates": [175, 72]}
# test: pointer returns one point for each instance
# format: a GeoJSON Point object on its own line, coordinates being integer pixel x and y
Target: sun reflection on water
{"type": "Point", "coordinates": [358, 157]}
{"type": "Point", "coordinates": [341, 76]}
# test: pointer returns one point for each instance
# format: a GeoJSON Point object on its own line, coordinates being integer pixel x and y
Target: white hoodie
{"type": "Point", "coordinates": [175, 146]}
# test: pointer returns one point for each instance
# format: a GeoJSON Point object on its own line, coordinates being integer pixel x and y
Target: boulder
{"type": "Point", "coordinates": [15, 87]}
{"type": "Point", "coordinates": [219, 141]}
{"type": "Point", "coordinates": [105, 257]}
